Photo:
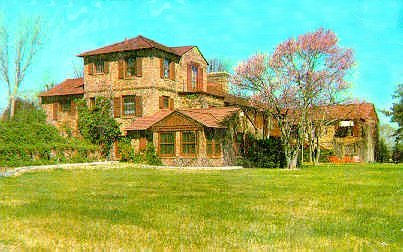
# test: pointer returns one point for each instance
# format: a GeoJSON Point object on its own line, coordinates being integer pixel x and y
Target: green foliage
{"type": "Point", "coordinates": [126, 150]}
{"type": "Point", "coordinates": [23, 143]}
{"type": "Point", "coordinates": [151, 156]}
{"type": "Point", "coordinates": [396, 112]}
{"type": "Point", "coordinates": [25, 112]}
{"type": "Point", "coordinates": [382, 154]}
{"type": "Point", "coordinates": [97, 124]}
{"type": "Point", "coordinates": [267, 153]}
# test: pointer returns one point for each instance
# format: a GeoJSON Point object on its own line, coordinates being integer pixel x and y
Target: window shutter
{"type": "Point", "coordinates": [90, 69]}
{"type": "Point", "coordinates": [139, 105]}
{"type": "Point", "coordinates": [142, 144]}
{"type": "Point", "coordinates": [189, 79]}
{"type": "Point", "coordinates": [116, 107]}
{"type": "Point", "coordinates": [171, 103]}
{"type": "Point", "coordinates": [200, 78]}
{"type": "Point", "coordinates": [106, 67]}
{"type": "Point", "coordinates": [73, 107]}
{"type": "Point", "coordinates": [139, 67]}
{"type": "Point", "coordinates": [161, 68]}
{"type": "Point", "coordinates": [120, 69]}
{"type": "Point", "coordinates": [172, 70]}
{"type": "Point", "coordinates": [55, 111]}
{"type": "Point", "coordinates": [161, 102]}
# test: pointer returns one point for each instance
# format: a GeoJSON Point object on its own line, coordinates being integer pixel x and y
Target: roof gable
{"type": "Point", "coordinates": [67, 87]}
{"type": "Point", "coordinates": [136, 43]}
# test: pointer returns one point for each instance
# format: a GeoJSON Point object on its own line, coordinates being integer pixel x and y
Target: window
{"type": "Point", "coordinates": [213, 145]}
{"type": "Point", "coordinates": [129, 105]}
{"type": "Point", "coordinates": [345, 129]}
{"type": "Point", "coordinates": [99, 66]}
{"type": "Point", "coordinates": [189, 142]}
{"type": "Point", "coordinates": [166, 68]}
{"type": "Point", "coordinates": [194, 76]}
{"type": "Point", "coordinates": [167, 144]}
{"type": "Point", "coordinates": [66, 106]}
{"type": "Point", "coordinates": [130, 67]}
{"type": "Point", "coordinates": [164, 102]}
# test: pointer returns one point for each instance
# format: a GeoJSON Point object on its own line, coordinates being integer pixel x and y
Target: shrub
{"type": "Point", "coordinates": [97, 124]}
{"type": "Point", "coordinates": [126, 150]}
{"type": "Point", "coordinates": [264, 153]}
{"type": "Point", "coordinates": [151, 156]}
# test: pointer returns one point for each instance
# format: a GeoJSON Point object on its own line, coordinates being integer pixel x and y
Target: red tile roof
{"type": "Point", "coordinates": [67, 87]}
{"type": "Point", "coordinates": [180, 50]}
{"type": "Point", "coordinates": [136, 43]}
{"type": "Point", "coordinates": [209, 117]}
{"type": "Point", "coordinates": [146, 122]}
{"type": "Point", "coordinates": [353, 111]}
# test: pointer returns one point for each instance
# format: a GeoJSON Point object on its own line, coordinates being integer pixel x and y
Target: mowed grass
{"type": "Point", "coordinates": [347, 207]}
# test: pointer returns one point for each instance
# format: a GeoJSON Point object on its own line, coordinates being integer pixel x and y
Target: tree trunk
{"type": "Point", "coordinates": [12, 107]}
{"type": "Point", "coordinates": [317, 152]}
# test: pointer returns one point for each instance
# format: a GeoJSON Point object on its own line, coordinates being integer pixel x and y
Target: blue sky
{"type": "Point", "coordinates": [231, 29]}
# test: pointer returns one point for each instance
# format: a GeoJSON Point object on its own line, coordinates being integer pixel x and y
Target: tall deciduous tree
{"type": "Point", "coordinates": [17, 51]}
{"type": "Point", "coordinates": [302, 74]}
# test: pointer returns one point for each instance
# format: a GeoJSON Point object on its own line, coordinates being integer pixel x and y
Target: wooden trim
{"type": "Point", "coordinates": [139, 67]}
{"type": "Point", "coordinates": [162, 68]}
{"type": "Point", "coordinates": [172, 70]}
{"type": "Point", "coordinates": [121, 69]}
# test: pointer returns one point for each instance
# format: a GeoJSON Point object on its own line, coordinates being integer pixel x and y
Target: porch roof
{"type": "Point", "coordinates": [209, 117]}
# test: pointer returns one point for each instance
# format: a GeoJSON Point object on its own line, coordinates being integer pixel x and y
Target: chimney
{"type": "Point", "coordinates": [221, 78]}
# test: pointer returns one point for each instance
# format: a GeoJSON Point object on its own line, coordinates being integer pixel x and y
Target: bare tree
{"type": "Point", "coordinates": [218, 65]}
{"type": "Point", "coordinates": [14, 66]}
{"type": "Point", "coordinates": [78, 70]}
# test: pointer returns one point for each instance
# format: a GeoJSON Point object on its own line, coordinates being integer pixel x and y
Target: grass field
{"type": "Point", "coordinates": [347, 207]}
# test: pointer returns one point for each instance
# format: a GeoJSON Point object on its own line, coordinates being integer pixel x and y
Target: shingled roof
{"type": "Point", "coordinates": [67, 87]}
{"type": "Point", "coordinates": [146, 122]}
{"type": "Point", "coordinates": [354, 111]}
{"type": "Point", "coordinates": [209, 117]}
{"type": "Point", "coordinates": [137, 43]}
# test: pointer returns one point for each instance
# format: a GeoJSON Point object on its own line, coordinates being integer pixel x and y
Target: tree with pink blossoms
{"type": "Point", "coordinates": [302, 74]}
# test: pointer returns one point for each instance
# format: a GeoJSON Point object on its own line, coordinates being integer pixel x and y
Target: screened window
{"type": "Point", "coordinates": [129, 105]}
{"type": "Point", "coordinates": [66, 106]}
{"type": "Point", "coordinates": [167, 144]}
{"type": "Point", "coordinates": [130, 67]}
{"type": "Point", "coordinates": [194, 76]}
{"type": "Point", "coordinates": [189, 142]}
{"type": "Point", "coordinates": [99, 66]}
{"type": "Point", "coordinates": [165, 102]}
{"type": "Point", "coordinates": [213, 145]}
{"type": "Point", "coordinates": [166, 68]}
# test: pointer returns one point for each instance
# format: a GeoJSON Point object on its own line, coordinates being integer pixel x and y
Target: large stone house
{"type": "Point", "coordinates": [164, 95]}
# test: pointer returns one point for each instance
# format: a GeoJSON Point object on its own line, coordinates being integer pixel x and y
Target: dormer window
{"type": "Point", "coordinates": [194, 77]}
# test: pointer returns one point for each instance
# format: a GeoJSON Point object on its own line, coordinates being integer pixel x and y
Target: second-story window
{"type": "Point", "coordinates": [99, 66]}
{"type": "Point", "coordinates": [166, 68]}
{"type": "Point", "coordinates": [130, 67]}
{"type": "Point", "coordinates": [129, 105]}
{"type": "Point", "coordinates": [194, 76]}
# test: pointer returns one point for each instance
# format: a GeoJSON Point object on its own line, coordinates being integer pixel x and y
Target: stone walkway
{"type": "Point", "coordinates": [111, 164]}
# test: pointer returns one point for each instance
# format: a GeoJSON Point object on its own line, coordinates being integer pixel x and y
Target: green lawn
{"type": "Point", "coordinates": [348, 207]}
